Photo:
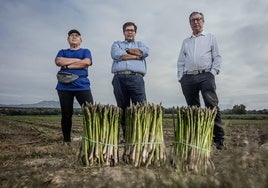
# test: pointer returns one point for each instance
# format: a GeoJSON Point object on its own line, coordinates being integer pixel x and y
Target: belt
{"type": "Point", "coordinates": [129, 73]}
{"type": "Point", "coordinates": [197, 71]}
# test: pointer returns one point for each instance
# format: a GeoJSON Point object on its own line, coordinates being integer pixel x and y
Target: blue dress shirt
{"type": "Point", "coordinates": [118, 49]}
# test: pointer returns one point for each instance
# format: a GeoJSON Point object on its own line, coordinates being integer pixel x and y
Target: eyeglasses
{"type": "Point", "coordinates": [130, 30]}
{"type": "Point", "coordinates": [196, 19]}
{"type": "Point", "coordinates": [74, 35]}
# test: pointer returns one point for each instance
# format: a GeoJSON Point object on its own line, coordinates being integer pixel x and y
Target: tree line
{"type": "Point", "coordinates": [237, 109]}
{"type": "Point", "coordinates": [13, 111]}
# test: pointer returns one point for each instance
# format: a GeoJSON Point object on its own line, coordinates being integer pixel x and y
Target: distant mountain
{"type": "Point", "coordinates": [42, 104]}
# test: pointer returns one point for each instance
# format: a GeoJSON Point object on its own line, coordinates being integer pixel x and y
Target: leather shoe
{"type": "Point", "coordinates": [219, 144]}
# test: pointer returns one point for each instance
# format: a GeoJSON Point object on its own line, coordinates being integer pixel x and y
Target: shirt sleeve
{"type": "Point", "coordinates": [181, 63]}
{"type": "Point", "coordinates": [60, 53]}
{"type": "Point", "coordinates": [117, 52]}
{"type": "Point", "coordinates": [144, 49]}
{"type": "Point", "coordinates": [216, 57]}
{"type": "Point", "coordinates": [87, 54]}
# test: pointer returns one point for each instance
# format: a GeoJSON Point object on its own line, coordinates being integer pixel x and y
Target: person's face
{"type": "Point", "coordinates": [196, 22]}
{"type": "Point", "coordinates": [129, 33]}
{"type": "Point", "coordinates": [74, 39]}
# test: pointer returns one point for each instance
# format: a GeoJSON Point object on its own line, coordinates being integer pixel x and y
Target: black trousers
{"type": "Point", "coordinates": [192, 85]}
{"type": "Point", "coordinates": [66, 103]}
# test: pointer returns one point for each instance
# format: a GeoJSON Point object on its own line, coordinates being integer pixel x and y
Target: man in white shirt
{"type": "Point", "coordinates": [199, 61]}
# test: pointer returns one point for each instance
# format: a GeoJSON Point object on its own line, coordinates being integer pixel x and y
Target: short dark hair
{"type": "Point", "coordinates": [73, 31]}
{"type": "Point", "coordinates": [129, 24]}
{"type": "Point", "coordinates": [193, 13]}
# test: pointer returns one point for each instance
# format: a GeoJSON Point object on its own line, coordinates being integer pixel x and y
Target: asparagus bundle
{"type": "Point", "coordinates": [144, 135]}
{"type": "Point", "coordinates": [193, 133]}
{"type": "Point", "coordinates": [100, 135]}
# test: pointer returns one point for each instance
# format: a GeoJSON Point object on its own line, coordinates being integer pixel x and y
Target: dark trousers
{"type": "Point", "coordinates": [128, 88]}
{"type": "Point", "coordinates": [66, 103]}
{"type": "Point", "coordinates": [204, 82]}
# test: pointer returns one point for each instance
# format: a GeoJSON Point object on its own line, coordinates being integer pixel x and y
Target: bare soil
{"type": "Point", "coordinates": [32, 154]}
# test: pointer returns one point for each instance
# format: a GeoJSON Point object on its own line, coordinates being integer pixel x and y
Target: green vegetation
{"type": "Point", "coordinates": [193, 132]}
{"type": "Point", "coordinates": [101, 125]}
{"type": "Point", "coordinates": [144, 135]}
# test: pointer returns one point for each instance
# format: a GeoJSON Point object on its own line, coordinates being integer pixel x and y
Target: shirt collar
{"type": "Point", "coordinates": [129, 41]}
{"type": "Point", "coordinates": [202, 34]}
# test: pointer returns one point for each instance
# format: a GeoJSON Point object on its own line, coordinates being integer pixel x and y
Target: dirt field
{"type": "Point", "coordinates": [33, 155]}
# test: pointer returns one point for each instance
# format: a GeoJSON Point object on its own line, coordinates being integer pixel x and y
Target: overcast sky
{"type": "Point", "coordinates": [33, 31]}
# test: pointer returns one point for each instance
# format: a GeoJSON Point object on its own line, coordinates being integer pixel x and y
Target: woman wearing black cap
{"type": "Point", "coordinates": [72, 79]}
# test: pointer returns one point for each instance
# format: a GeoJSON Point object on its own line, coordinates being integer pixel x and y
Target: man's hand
{"type": "Point", "coordinates": [130, 57]}
{"type": "Point", "coordinates": [134, 51]}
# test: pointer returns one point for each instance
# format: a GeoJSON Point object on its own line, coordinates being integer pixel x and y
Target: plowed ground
{"type": "Point", "coordinates": [32, 155]}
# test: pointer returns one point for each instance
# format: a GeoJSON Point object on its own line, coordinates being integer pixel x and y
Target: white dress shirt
{"type": "Point", "coordinates": [199, 53]}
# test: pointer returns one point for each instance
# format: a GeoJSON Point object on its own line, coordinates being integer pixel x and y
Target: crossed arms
{"type": "Point", "coordinates": [132, 53]}
{"type": "Point", "coordinates": [73, 63]}
{"type": "Point", "coordinates": [121, 52]}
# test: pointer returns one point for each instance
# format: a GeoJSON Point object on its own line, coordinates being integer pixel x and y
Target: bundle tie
{"type": "Point", "coordinates": [96, 142]}
{"type": "Point", "coordinates": [116, 145]}
{"type": "Point", "coordinates": [135, 143]}
{"type": "Point", "coordinates": [193, 146]}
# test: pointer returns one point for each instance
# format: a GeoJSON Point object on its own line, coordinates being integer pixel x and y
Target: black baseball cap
{"type": "Point", "coordinates": [73, 31]}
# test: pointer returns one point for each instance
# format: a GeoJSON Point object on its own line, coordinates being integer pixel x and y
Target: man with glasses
{"type": "Point", "coordinates": [129, 68]}
{"type": "Point", "coordinates": [199, 61]}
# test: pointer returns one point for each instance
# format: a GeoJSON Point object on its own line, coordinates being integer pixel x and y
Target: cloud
{"type": "Point", "coordinates": [32, 32]}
